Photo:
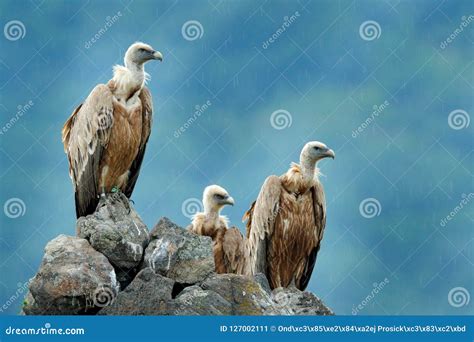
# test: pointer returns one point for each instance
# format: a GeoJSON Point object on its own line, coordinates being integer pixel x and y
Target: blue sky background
{"type": "Point", "coordinates": [322, 76]}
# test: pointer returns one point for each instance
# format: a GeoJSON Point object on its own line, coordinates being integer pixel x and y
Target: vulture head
{"type": "Point", "coordinates": [215, 198]}
{"type": "Point", "coordinates": [314, 151]}
{"type": "Point", "coordinates": [140, 53]}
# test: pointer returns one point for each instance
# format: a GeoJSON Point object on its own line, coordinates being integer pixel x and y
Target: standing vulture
{"type": "Point", "coordinates": [105, 137]}
{"type": "Point", "coordinates": [285, 225]}
{"type": "Point", "coordinates": [228, 244]}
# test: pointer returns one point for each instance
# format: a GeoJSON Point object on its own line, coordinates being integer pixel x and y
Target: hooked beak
{"type": "Point", "coordinates": [229, 200]}
{"type": "Point", "coordinates": [330, 153]}
{"type": "Point", "coordinates": [157, 55]}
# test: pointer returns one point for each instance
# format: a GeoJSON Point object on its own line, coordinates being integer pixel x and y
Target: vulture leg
{"type": "Point", "coordinates": [125, 201]}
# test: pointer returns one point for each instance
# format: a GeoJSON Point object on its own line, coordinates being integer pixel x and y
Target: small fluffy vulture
{"type": "Point", "coordinates": [285, 225]}
{"type": "Point", "coordinates": [228, 244]}
{"type": "Point", "coordinates": [106, 136]}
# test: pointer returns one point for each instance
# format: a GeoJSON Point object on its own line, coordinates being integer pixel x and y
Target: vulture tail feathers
{"type": "Point", "coordinates": [308, 270]}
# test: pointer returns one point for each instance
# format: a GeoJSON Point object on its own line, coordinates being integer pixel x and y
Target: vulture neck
{"type": "Point", "coordinates": [137, 70]}
{"type": "Point", "coordinates": [137, 75]}
{"type": "Point", "coordinates": [128, 80]}
{"type": "Point", "coordinates": [309, 170]}
{"type": "Point", "coordinates": [211, 214]}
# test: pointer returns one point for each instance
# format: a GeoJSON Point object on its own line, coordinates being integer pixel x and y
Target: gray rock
{"type": "Point", "coordinates": [116, 230]}
{"type": "Point", "coordinates": [73, 279]}
{"type": "Point", "coordinates": [246, 296]}
{"type": "Point", "coordinates": [222, 294]}
{"type": "Point", "coordinates": [165, 226]}
{"type": "Point", "coordinates": [28, 303]}
{"type": "Point", "coordinates": [175, 253]}
{"type": "Point", "coordinates": [263, 281]}
{"type": "Point", "coordinates": [151, 294]}
{"type": "Point", "coordinates": [196, 301]}
{"type": "Point", "coordinates": [177, 276]}
{"type": "Point", "coordinates": [300, 302]}
{"type": "Point", "coordinates": [147, 294]}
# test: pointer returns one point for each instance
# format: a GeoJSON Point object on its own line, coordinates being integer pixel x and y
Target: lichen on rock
{"type": "Point", "coordinates": [178, 254]}
{"type": "Point", "coordinates": [73, 279]}
{"type": "Point", "coordinates": [116, 230]}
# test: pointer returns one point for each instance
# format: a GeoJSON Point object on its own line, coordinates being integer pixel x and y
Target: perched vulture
{"type": "Point", "coordinates": [228, 244]}
{"type": "Point", "coordinates": [285, 225]}
{"type": "Point", "coordinates": [105, 137]}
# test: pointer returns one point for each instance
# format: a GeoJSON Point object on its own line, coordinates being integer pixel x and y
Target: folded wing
{"type": "Point", "coordinates": [260, 223]}
{"type": "Point", "coordinates": [147, 114]}
{"type": "Point", "coordinates": [85, 136]}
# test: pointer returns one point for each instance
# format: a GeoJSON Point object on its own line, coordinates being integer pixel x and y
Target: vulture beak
{"type": "Point", "coordinates": [330, 153]}
{"type": "Point", "coordinates": [157, 55]}
{"type": "Point", "coordinates": [229, 200]}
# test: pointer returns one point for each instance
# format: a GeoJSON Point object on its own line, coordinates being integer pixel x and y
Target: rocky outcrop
{"type": "Point", "coordinates": [178, 254]}
{"type": "Point", "coordinates": [115, 267]}
{"type": "Point", "coordinates": [73, 279]}
{"type": "Point", "coordinates": [116, 230]}
{"type": "Point", "coordinates": [148, 294]}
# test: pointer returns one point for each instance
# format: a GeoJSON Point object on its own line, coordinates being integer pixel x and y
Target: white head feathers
{"type": "Point", "coordinates": [132, 75]}
{"type": "Point", "coordinates": [214, 198]}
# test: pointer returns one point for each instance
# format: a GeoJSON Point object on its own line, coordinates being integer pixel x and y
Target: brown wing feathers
{"type": "Point", "coordinates": [147, 108]}
{"type": "Point", "coordinates": [233, 245]}
{"type": "Point", "coordinates": [279, 238]}
{"type": "Point", "coordinates": [86, 135]}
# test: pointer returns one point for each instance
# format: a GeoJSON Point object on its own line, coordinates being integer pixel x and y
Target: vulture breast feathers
{"type": "Point", "coordinates": [285, 225]}
{"type": "Point", "coordinates": [105, 142]}
{"type": "Point", "coordinates": [228, 244]}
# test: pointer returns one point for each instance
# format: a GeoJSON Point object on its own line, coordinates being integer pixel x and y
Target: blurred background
{"type": "Point", "coordinates": [244, 84]}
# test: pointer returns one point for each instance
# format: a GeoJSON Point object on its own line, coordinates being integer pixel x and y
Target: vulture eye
{"type": "Point", "coordinates": [316, 148]}
{"type": "Point", "coordinates": [219, 196]}
{"type": "Point", "coordinates": [141, 50]}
